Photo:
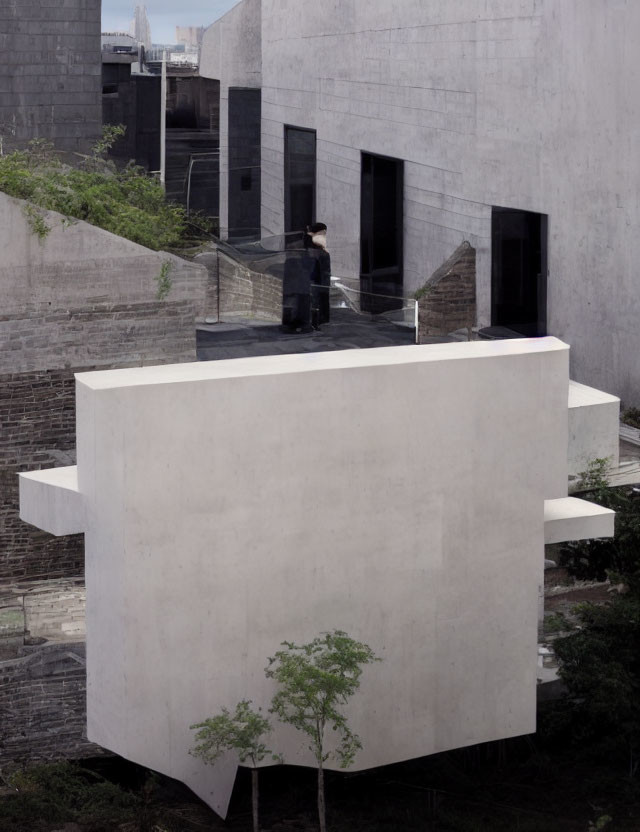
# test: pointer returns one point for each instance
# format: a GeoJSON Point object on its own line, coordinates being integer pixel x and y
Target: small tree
{"type": "Point", "coordinates": [314, 679]}
{"type": "Point", "coordinates": [241, 732]}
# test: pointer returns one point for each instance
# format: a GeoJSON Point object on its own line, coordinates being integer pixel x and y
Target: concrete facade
{"type": "Point", "coordinates": [231, 53]}
{"type": "Point", "coordinates": [50, 72]}
{"type": "Point", "coordinates": [524, 104]}
{"type": "Point", "coordinates": [81, 299]}
{"type": "Point", "coordinates": [361, 503]}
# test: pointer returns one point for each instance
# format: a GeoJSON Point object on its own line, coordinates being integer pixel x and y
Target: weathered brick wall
{"type": "Point", "coordinates": [43, 705]}
{"type": "Point", "coordinates": [447, 301]}
{"type": "Point", "coordinates": [243, 293]}
{"type": "Point", "coordinates": [50, 72]}
{"type": "Point", "coordinates": [82, 300]}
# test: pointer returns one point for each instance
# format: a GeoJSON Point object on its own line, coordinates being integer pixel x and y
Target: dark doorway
{"type": "Point", "coordinates": [381, 229]}
{"type": "Point", "coordinates": [519, 271]}
{"type": "Point", "coordinates": [244, 163]}
{"type": "Point", "coordinates": [299, 178]}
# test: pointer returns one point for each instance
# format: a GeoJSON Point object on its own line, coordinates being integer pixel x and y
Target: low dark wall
{"type": "Point", "coordinates": [43, 706]}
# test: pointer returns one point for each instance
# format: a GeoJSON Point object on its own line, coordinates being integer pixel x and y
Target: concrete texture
{"type": "Point", "coordinates": [572, 519]}
{"type": "Point", "coordinates": [82, 299]}
{"type": "Point", "coordinates": [231, 53]}
{"type": "Point", "coordinates": [50, 72]}
{"type": "Point", "coordinates": [593, 428]}
{"type": "Point", "coordinates": [527, 104]}
{"type": "Point", "coordinates": [394, 493]}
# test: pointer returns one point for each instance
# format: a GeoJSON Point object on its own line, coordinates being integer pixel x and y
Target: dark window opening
{"type": "Point", "coordinates": [299, 178]}
{"type": "Point", "coordinates": [519, 271]}
{"type": "Point", "coordinates": [245, 113]}
{"type": "Point", "coordinates": [381, 233]}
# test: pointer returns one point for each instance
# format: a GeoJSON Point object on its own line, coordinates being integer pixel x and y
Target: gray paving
{"type": "Point", "coordinates": [346, 331]}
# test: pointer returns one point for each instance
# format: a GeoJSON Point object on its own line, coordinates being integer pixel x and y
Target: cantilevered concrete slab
{"type": "Point", "coordinates": [397, 494]}
{"type": "Point", "coordinates": [573, 519]}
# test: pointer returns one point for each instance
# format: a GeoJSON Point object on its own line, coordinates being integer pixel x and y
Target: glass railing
{"type": "Point", "coordinates": [280, 279]}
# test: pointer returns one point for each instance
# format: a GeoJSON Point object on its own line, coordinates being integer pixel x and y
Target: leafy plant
{"type": "Point", "coordinates": [556, 623]}
{"type": "Point", "coordinates": [314, 679]}
{"type": "Point", "coordinates": [110, 135]}
{"type": "Point", "coordinates": [600, 666]}
{"type": "Point", "coordinates": [127, 202]}
{"type": "Point", "coordinates": [631, 416]}
{"type": "Point", "coordinates": [64, 792]}
{"type": "Point", "coordinates": [164, 281]}
{"type": "Point", "coordinates": [242, 732]}
{"type": "Point", "coordinates": [36, 220]}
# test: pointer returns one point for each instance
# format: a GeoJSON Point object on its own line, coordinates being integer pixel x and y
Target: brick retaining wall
{"type": "Point", "coordinates": [447, 301]}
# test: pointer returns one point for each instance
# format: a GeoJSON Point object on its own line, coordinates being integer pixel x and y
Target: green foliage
{"type": "Point", "coordinates": [617, 557]}
{"type": "Point", "coordinates": [110, 135]}
{"type": "Point", "coordinates": [600, 666]}
{"type": "Point", "coordinates": [594, 479]}
{"type": "Point", "coordinates": [600, 823]}
{"type": "Point", "coordinates": [241, 732]}
{"type": "Point", "coordinates": [36, 220]}
{"type": "Point", "coordinates": [127, 202]}
{"type": "Point", "coordinates": [163, 280]}
{"type": "Point", "coordinates": [556, 623]}
{"type": "Point", "coordinates": [314, 680]}
{"type": "Point", "coordinates": [61, 793]}
{"type": "Point", "coordinates": [631, 416]}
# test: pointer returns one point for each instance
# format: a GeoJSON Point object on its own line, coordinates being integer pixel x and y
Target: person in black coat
{"type": "Point", "coordinates": [316, 243]}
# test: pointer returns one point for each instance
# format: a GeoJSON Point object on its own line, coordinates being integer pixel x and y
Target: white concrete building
{"type": "Point", "coordinates": [409, 127]}
{"type": "Point", "coordinates": [401, 494]}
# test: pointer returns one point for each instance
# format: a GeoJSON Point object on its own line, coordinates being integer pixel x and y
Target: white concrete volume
{"type": "Point", "coordinates": [397, 494]}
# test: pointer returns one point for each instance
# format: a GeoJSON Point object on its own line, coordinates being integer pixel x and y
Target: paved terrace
{"type": "Point", "coordinates": [347, 330]}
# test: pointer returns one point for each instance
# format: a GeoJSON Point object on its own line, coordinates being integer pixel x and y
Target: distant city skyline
{"type": "Point", "coordinates": [164, 15]}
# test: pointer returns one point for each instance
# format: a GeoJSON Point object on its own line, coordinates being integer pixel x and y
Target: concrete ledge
{"type": "Point", "coordinates": [572, 519]}
{"type": "Point", "coordinates": [593, 427]}
{"type": "Point", "coordinates": [50, 500]}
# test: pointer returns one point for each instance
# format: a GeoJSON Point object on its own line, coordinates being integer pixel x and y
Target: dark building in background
{"type": "Point", "coordinates": [50, 72]}
{"type": "Point", "coordinates": [193, 140]}
{"type": "Point", "coordinates": [131, 99]}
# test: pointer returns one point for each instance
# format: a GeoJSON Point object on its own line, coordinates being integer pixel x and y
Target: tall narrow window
{"type": "Point", "coordinates": [299, 178]}
{"type": "Point", "coordinates": [381, 231]}
{"type": "Point", "coordinates": [244, 163]}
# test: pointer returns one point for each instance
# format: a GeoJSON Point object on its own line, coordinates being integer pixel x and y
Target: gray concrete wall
{"type": "Point", "coordinates": [231, 53]}
{"type": "Point", "coordinates": [81, 299]}
{"type": "Point", "coordinates": [360, 503]}
{"type": "Point", "coordinates": [50, 72]}
{"type": "Point", "coordinates": [528, 104]}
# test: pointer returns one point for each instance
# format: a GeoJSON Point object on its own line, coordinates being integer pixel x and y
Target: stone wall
{"type": "Point", "coordinates": [42, 705]}
{"type": "Point", "coordinates": [82, 299]}
{"type": "Point", "coordinates": [447, 301]}
{"type": "Point", "coordinates": [235, 291]}
{"type": "Point", "coordinates": [50, 72]}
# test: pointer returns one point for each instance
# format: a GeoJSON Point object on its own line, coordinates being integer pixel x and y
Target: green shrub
{"type": "Point", "coordinates": [631, 416]}
{"type": "Point", "coordinates": [63, 793]}
{"type": "Point", "coordinates": [127, 202]}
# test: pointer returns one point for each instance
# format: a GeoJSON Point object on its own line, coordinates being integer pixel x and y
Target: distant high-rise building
{"type": "Point", "coordinates": [140, 28]}
{"type": "Point", "coordinates": [189, 35]}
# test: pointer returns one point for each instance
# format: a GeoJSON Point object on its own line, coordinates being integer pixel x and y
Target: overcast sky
{"type": "Point", "coordinates": [164, 15]}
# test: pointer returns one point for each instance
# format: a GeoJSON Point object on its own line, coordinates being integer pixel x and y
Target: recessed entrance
{"type": "Point", "coordinates": [519, 271]}
{"type": "Point", "coordinates": [381, 228]}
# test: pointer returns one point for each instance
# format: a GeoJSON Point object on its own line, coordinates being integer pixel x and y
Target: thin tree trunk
{"type": "Point", "coordinates": [254, 799]}
{"type": "Point", "coordinates": [321, 808]}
